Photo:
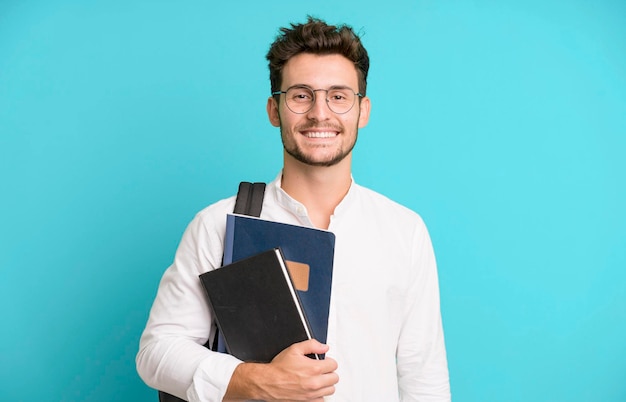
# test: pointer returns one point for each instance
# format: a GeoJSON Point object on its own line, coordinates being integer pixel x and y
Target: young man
{"type": "Point", "coordinates": [385, 337]}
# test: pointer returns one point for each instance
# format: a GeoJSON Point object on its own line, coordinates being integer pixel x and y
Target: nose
{"type": "Point", "coordinates": [320, 110]}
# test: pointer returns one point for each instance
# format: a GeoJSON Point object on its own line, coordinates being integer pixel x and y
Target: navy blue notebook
{"type": "Point", "coordinates": [309, 254]}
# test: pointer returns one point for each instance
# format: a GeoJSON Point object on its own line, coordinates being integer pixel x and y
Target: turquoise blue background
{"type": "Point", "coordinates": [503, 123]}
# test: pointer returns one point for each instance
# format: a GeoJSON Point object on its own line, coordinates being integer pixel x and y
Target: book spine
{"type": "Point", "coordinates": [296, 298]}
{"type": "Point", "coordinates": [229, 240]}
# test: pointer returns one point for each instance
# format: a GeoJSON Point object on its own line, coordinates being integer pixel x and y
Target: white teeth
{"type": "Point", "coordinates": [323, 134]}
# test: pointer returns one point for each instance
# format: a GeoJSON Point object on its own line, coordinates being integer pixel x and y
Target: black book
{"type": "Point", "coordinates": [256, 306]}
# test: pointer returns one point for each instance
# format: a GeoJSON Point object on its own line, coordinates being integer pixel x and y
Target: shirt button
{"type": "Point", "coordinates": [300, 210]}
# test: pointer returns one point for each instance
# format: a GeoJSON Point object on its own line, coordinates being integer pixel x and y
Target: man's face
{"type": "Point", "coordinates": [319, 137]}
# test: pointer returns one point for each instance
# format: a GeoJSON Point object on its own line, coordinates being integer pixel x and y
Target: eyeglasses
{"type": "Point", "coordinates": [300, 99]}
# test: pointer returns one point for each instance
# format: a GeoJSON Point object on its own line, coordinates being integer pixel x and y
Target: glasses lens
{"type": "Point", "coordinates": [299, 99]}
{"type": "Point", "coordinates": [340, 100]}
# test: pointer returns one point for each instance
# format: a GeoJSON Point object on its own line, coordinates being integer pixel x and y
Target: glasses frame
{"type": "Point", "coordinates": [313, 91]}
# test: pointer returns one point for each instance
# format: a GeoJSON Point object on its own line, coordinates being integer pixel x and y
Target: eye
{"type": "Point", "coordinates": [338, 96]}
{"type": "Point", "coordinates": [300, 95]}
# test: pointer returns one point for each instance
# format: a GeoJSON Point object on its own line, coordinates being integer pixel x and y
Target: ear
{"type": "Point", "coordinates": [364, 115]}
{"type": "Point", "coordinates": [272, 111]}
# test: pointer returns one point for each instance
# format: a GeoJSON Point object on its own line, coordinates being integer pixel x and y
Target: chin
{"type": "Point", "coordinates": [322, 162]}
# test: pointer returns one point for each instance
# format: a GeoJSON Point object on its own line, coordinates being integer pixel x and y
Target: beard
{"type": "Point", "coordinates": [292, 148]}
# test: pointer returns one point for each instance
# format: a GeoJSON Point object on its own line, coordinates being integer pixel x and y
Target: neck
{"type": "Point", "coordinates": [319, 188]}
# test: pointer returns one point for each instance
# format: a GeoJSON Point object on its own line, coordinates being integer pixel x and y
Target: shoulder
{"type": "Point", "coordinates": [204, 236]}
{"type": "Point", "coordinates": [377, 204]}
{"type": "Point", "coordinates": [387, 221]}
{"type": "Point", "coordinates": [214, 215]}
{"type": "Point", "coordinates": [210, 221]}
{"type": "Point", "coordinates": [216, 211]}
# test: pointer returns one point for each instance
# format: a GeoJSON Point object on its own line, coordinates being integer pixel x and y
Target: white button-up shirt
{"type": "Point", "coordinates": [384, 330]}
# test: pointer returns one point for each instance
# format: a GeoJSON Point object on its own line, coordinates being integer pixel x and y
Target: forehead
{"type": "Point", "coordinates": [319, 71]}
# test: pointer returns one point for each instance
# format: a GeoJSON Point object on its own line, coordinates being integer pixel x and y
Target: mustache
{"type": "Point", "coordinates": [318, 126]}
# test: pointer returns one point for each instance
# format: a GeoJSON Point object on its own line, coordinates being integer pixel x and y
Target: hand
{"type": "Point", "coordinates": [290, 376]}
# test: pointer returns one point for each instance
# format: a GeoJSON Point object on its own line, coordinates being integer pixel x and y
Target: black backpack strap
{"type": "Point", "coordinates": [165, 397]}
{"type": "Point", "coordinates": [249, 199]}
{"type": "Point", "coordinates": [249, 202]}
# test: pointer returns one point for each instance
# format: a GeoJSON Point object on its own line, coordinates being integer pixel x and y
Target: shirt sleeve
{"type": "Point", "coordinates": [421, 356]}
{"type": "Point", "coordinates": [171, 357]}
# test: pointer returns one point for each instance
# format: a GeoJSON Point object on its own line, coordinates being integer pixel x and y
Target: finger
{"type": "Point", "coordinates": [329, 380]}
{"type": "Point", "coordinates": [328, 365]}
{"type": "Point", "coordinates": [310, 346]}
{"type": "Point", "coordinates": [322, 392]}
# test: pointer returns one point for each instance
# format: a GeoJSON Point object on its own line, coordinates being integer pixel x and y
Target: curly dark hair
{"type": "Point", "coordinates": [317, 37]}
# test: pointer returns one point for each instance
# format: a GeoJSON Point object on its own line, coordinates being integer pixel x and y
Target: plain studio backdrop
{"type": "Point", "coordinates": [503, 123]}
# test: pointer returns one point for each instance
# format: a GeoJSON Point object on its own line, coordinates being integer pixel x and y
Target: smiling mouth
{"type": "Point", "coordinates": [320, 134]}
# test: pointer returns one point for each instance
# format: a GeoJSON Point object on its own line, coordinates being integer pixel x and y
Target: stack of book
{"type": "Point", "coordinates": [274, 288]}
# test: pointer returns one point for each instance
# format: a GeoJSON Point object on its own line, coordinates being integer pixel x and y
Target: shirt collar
{"type": "Point", "coordinates": [297, 208]}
